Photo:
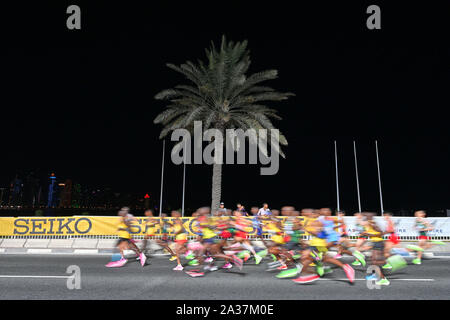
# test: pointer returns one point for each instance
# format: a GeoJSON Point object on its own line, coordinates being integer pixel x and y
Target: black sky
{"type": "Point", "coordinates": [80, 103]}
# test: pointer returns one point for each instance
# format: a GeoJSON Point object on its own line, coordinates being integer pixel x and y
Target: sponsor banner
{"type": "Point", "coordinates": [107, 226]}
{"type": "Point", "coordinates": [405, 226]}
{"type": "Point", "coordinates": [86, 226]}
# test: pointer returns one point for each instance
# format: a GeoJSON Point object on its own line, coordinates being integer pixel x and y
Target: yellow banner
{"type": "Point", "coordinates": [86, 226]}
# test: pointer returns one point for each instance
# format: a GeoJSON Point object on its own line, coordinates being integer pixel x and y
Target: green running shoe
{"type": "Point", "coordinates": [358, 255]}
{"type": "Point", "coordinates": [327, 270]}
{"type": "Point", "coordinates": [193, 262]}
{"type": "Point", "coordinates": [288, 273]}
{"type": "Point", "coordinates": [190, 256]}
{"type": "Point", "coordinates": [242, 254]}
{"type": "Point", "coordinates": [414, 247]}
{"type": "Point", "coordinates": [356, 263]}
{"type": "Point", "coordinates": [273, 257]}
{"type": "Point", "coordinates": [263, 253]}
{"type": "Point", "coordinates": [437, 242]}
{"type": "Point", "coordinates": [320, 270]}
{"type": "Point", "coordinates": [417, 261]}
{"type": "Point", "coordinates": [258, 259]}
{"type": "Point", "coordinates": [396, 262]}
{"type": "Point", "coordinates": [387, 266]}
{"type": "Point", "coordinates": [383, 282]}
{"type": "Point", "coordinates": [297, 256]}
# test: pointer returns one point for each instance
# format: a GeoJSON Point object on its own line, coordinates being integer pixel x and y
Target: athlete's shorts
{"type": "Point", "coordinates": [318, 249]}
{"type": "Point", "coordinates": [378, 245]}
{"type": "Point", "coordinates": [394, 239]}
{"type": "Point", "coordinates": [123, 240]}
{"type": "Point", "coordinates": [226, 234]}
{"type": "Point", "coordinates": [259, 232]}
{"type": "Point", "coordinates": [210, 240]}
{"type": "Point", "coordinates": [293, 245]}
{"type": "Point", "coordinates": [240, 234]}
{"type": "Point", "coordinates": [332, 238]}
{"type": "Point", "coordinates": [424, 238]}
{"type": "Point", "coordinates": [278, 239]}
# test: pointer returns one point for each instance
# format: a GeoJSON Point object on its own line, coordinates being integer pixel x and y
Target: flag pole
{"type": "Point", "coordinates": [357, 179]}
{"type": "Point", "coordinates": [337, 177]}
{"type": "Point", "coordinates": [162, 178]}
{"type": "Point", "coordinates": [379, 178]}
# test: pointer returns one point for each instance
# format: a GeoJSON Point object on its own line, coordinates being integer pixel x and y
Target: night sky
{"type": "Point", "coordinates": [81, 103]}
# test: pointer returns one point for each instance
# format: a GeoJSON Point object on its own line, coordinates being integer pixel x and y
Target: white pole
{"type": "Point", "coordinates": [162, 178]}
{"type": "Point", "coordinates": [379, 178]}
{"type": "Point", "coordinates": [184, 179]}
{"type": "Point", "coordinates": [357, 179]}
{"type": "Point", "coordinates": [337, 177]}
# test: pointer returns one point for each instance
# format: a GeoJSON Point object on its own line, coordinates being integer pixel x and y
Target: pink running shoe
{"type": "Point", "coordinates": [142, 258]}
{"type": "Point", "coordinates": [349, 272]}
{"type": "Point", "coordinates": [227, 266]}
{"type": "Point", "coordinates": [306, 279]}
{"type": "Point", "coordinates": [178, 268]}
{"type": "Point", "coordinates": [117, 264]}
{"type": "Point", "coordinates": [282, 267]}
{"type": "Point", "coordinates": [338, 256]}
{"type": "Point", "coordinates": [209, 259]}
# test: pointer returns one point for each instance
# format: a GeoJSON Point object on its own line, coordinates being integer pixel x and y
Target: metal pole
{"type": "Point", "coordinates": [184, 179]}
{"type": "Point", "coordinates": [357, 179]}
{"type": "Point", "coordinates": [162, 178]}
{"type": "Point", "coordinates": [337, 177]}
{"type": "Point", "coordinates": [379, 178]}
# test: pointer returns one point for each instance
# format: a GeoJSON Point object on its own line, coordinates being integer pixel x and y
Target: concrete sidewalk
{"type": "Point", "coordinates": [108, 246]}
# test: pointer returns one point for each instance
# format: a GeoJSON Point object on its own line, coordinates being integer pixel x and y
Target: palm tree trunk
{"type": "Point", "coordinates": [216, 187]}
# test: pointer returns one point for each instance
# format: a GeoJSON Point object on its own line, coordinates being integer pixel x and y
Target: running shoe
{"type": "Point", "coordinates": [297, 256]}
{"type": "Point", "coordinates": [437, 242]}
{"type": "Point", "coordinates": [372, 277]}
{"type": "Point", "coordinates": [383, 282]}
{"type": "Point", "coordinates": [193, 262]}
{"type": "Point", "coordinates": [327, 270]}
{"type": "Point", "coordinates": [273, 257]}
{"type": "Point", "coordinates": [306, 279]}
{"type": "Point", "coordinates": [387, 266]}
{"type": "Point", "coordinates": [358, 255]}
{"type": "Point", "coordinates": [417, 261]}
{"type": "Point", "coordinates": [190, 256]}
{"type": "Point", "coordinates": [356, 263]}
{"type": "Point", "coordinates": [172, 258]}
{"type": "Point", "coordinates": [414, 247]}
{"type": "Point", "coordinates": [396, 262]}
{"type": "Point", "coordinates": [209, 260]}
{"type": "Point", "coordinates": [227, 266]}
{"type": "Point", "coordinates": [178, 268]}
{"type": "Point", "coordinates": [349, 272]}
{"type": "Point", "coordinates": [143, 258]}
{"type": "Point", "coordinates": [312, 264]}
{"type": "Point", "coordinates": [237, 262]}
{"type": "Point", "coordinates": [282, 267]}
{"type": "Point", "coordinates": [262, 253]}
{"type": "Point", "coordinates": [338, 256]}
{"type": "Point", "coordinates": [242, 254]}
{"type": "Point", "coordinates": [258, 259]}
{"type": "Point", "coordinates": [320, 270]}
{"type": "Point", "coordinates": [288, 273]}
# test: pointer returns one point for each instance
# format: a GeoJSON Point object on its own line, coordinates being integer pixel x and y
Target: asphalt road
{"type": "Point", "coordinates": [44, 277]}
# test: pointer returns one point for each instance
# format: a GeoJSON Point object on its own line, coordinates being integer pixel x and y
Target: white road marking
{"type": "Point", "coordinates": [345, 279]}
{"type": "Point", "coordinates": [44, 277]}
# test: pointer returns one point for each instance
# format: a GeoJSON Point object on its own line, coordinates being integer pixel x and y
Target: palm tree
{"type": "Point", "coordinates": [221, 96]}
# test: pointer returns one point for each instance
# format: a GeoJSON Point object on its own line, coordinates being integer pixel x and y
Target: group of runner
{"type": "Point", "coordinates": [300, 246]}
